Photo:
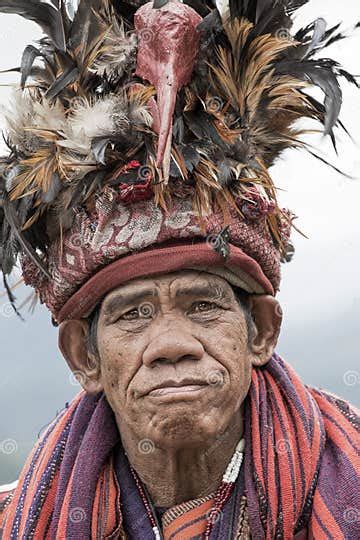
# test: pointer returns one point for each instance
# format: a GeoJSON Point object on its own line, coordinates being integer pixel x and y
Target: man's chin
{"type": "Point", "coordinates": [184, 428]}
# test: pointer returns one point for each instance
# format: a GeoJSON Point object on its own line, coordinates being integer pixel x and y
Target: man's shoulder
{"type": "Point", "coordinates": [326, 399]}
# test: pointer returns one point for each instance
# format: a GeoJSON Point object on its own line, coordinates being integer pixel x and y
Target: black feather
{"type": "Point", "coordinates": [350, 78]}
{"type": "Point", "coordinates": [11, 70]}
{"type": "Point", "coordinates": [210, 26]}
{"type": "Point", "coordinates": [179, 129]}
{"type": "Point", "coordinates": [11, 297]}
{"type": "Point", "coordinates": [68, 77]}
{"type": "Point", "coordinates": [28, 58]}
{"type": "Point", "coordinates": [235, 9]}
{"type": "Point", "coordinates": [320, 73]}
{"type": "Point", "coordinates": [330, 37]}
{"type": "Point", "coordinates": [98, 148]}
{"type": "Point", "coordinates": [293, 5]}
{"type": "Point", "coordinates": [12, 219]}
{"type": "Point", "coordinates": [319, 30]}
{"type": "Point", "coordinates": [159, 3]}
{"type": "Point", "coordinates": [85, 28]}
{"type": "Point", "coordinates": [201, 124]}
{"type": "Point", "coordinates": [50, 195]}
{"type": "Point", "coordinates": [191, 157]}
{"type": "Point", "coordinates": [226, 175]}
{"type": "Point", "coordinates": [323, 160]}
{"type": "Point", "coordinates": [202, 7]}
{"type": "Point", "coordinates": [263, 7]}
{"type": "Point", "coordinates": [127, 11]}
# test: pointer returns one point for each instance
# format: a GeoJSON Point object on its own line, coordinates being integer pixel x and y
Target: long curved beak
{"type": "Point", "coordinates": [168, 46]}
{"type": "Point", "coordinates": [167, 92]}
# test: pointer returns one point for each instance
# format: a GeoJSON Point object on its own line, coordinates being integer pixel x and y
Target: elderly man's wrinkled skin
{"type": "Point", "coordinates": [174, 360]}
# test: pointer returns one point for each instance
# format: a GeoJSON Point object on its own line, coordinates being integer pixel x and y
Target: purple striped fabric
{"type": "Point", "coordinates": [301, 469]}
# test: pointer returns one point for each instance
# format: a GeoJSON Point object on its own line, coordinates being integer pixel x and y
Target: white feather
{"type": "Point", "coordinates": [25, 112]}
{"type": "Point", "coordinates": [71, 8]}
{"type": "Point", "coordinates": [49, 116]}
{"type": "Point", "coordinates": [223, 7]}
{"type": "Point", "coordinates": [105, 117]}
{"type": "Point", "coordinates": [94, 119]}
{"type": "Point", "coordinates": [87, 121]}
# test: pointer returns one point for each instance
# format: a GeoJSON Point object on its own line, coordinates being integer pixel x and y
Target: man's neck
{"type": "Point", "coordinates": [174, 476]}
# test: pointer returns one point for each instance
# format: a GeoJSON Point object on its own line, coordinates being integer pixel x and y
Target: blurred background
{"type": "Point", "coordinates": [320, 291]}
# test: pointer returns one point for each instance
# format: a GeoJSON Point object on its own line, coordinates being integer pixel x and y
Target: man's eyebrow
{"type": "Point", "coordinates": [210, 291]}
{"type": "Point", "coordinates": [131, 297]}
{"type": "Point", "coordinates": [122, 299]}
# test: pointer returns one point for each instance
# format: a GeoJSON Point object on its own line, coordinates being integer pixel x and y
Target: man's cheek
{"type": "Point", "coordinates": [112, 376]}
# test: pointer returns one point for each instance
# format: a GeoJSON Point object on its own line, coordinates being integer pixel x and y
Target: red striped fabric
{"type": "Point", "coordinates": [191, 524]}
{"type": "Point", "coordinates": [301, 461]}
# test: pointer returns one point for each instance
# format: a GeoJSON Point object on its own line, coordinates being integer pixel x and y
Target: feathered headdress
{"type": "Point", "coordinates": [158, 100]}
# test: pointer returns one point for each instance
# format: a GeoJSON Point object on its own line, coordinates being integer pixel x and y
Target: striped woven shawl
{"type": "Point", "coordinates": [301, 467]}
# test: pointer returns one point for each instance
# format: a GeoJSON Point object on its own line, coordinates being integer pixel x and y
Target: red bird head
{"type": "Point", "coordinates": [167, 50]}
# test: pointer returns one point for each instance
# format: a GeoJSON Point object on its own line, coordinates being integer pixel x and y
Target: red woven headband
{"type": "Point", "coordinates": [163, 260]}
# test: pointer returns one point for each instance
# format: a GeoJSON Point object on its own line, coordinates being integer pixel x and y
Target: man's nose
{"type": "Point", "coordinates": [172, 346]}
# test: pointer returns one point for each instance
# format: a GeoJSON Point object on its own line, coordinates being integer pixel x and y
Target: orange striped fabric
{"type": "Point", "coordinates": [305, 459]}
{"type": "Point", "coordinates": [301, 468]}
{"type": "Point", "coordinates": [191, 524]}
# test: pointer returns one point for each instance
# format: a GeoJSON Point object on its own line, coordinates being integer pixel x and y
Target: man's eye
{"type": "Point", "coordinates": [202, 307]}
{"type": "Point", "coordinates": [131, 315]}
{"type": "Point", "coordinates": [145, 311]}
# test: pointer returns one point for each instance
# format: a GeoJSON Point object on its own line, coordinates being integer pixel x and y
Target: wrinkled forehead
{"type": "Point", "coordinates": [176, 284]}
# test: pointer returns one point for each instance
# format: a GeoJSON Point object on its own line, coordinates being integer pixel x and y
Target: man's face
{"type": "Point", "coordinates": [174, 357]}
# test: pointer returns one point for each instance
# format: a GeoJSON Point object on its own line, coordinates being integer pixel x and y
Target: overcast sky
{"type": "Point", "coordinates": [320, 290]}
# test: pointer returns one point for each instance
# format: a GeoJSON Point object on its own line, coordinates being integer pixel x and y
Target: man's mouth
{"type": "Point", "coordinates": [186, 388]}
{"type": "Point", "coordinates": [175, 388]}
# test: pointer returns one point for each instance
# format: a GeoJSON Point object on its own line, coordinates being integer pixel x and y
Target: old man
{"type": "Point", "coordinates": [137, 198]}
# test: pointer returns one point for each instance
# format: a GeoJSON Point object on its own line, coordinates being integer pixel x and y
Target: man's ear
{"type": "Point", "coordinates": [73, 343]}
{"type": "Point", "coordinates": [267, 316]}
